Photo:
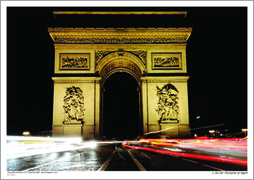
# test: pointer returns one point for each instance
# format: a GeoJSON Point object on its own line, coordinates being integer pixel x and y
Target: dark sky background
{"type": "Point", "coordinates": [216, 63]}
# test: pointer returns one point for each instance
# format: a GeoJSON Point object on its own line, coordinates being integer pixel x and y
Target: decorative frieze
{"type": "Point", "coordinates": [83, 39]}
{"type": "Point", "coordinates": [76, 79]}
{"type": "Point", "coordinates": [164, 81]}
{"type": "Point", "coordinates": [119, 35]}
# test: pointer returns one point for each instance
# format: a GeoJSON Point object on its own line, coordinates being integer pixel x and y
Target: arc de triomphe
{"type": "Point", "coordinates": [150, 55]}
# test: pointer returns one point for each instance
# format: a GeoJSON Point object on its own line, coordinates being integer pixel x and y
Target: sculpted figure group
{"type": "Point", "coordinates": [73, 104]}
{"type": "Point", "coordinates": [168, 108]}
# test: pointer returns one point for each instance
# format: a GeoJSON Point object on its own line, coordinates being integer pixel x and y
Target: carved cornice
{"type": "Point", "coordinates": [75, 80]}
{"type": "Point", "coordinates": [119, 35]}
{"type": "Point", "coordinates": [177, 79]}
{"type": "Point", "coordinates": [164, 81]}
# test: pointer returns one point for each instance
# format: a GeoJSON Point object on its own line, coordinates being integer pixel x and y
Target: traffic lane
{"type": "Point", "coordinates": [86, 159]}
{"type": "Point", "coordinates": [122, 161]}
{"type": "Point", "coordinates": [137, 160]}
{"type": "Point", "coordinates": [152, 161]}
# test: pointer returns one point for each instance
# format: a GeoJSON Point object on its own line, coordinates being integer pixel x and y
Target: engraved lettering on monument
{"type": "Point", "coordinates": [74, 61]}
{"type": "Point", "coordinates": [168, 109]}
{"type": "Point", "coordinates": [73, 105]}
{"type": "Point", "coordinates": [167, 61]}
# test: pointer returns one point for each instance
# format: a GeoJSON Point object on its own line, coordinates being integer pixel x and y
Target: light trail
{"type": "Point", "coordinates": [194, 156]}
{"type": "Point", "coordinates": [223, 143]}
{"type": "Point", "coordinates": [42, 139]}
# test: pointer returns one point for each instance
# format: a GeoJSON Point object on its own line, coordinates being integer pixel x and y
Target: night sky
{"type": "Point", "coordinates": [216, 63]}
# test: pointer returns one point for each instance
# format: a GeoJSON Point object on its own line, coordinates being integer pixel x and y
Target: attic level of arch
{"type": "Point", "coordinates": [120, 18]}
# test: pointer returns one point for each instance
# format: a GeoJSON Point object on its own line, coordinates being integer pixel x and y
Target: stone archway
{"type": "Point", "coordinates": [120, 62]}
{"type": "Point", "coordinates": [120, 107]}
{"type": "Point", "coordinates": [124, 62]}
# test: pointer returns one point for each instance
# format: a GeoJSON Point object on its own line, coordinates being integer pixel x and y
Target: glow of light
{"type": "Point", "coordinates": [211, 131]}
{"type": "Point", "coordinates": [171, 149]}
{"type": "Point", "coordinates": [159, 131]}
{"type": "Point", "coordinates": [31, 138]}
{"type": "Point", "coordinates": [195, 156]}
{"type": "Point", "coordinates": [198, 117]}
{"type": "Point", "coordinates": [244, 130]}
{"type": "Point", "coordinates": [92, 144]}
{"type": "Point", "coordinates": [201, 142]}
{"type": "Point", "coordinates": [26, 133]}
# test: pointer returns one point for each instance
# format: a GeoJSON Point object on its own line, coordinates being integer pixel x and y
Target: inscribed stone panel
{"type": "Point", "coordinates": [73, 61]}
{"type": "Point", "coordinates": [166, 61]}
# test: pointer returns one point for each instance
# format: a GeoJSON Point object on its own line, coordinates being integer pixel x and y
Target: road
{"type": "Point", "coordinates": [113, 157]}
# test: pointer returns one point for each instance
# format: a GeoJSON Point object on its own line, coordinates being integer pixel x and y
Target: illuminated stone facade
{"type": "Point", "coordinates": [142, 52]}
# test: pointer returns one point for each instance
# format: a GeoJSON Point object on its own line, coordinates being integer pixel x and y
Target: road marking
{"type": "Point", "coordinates": [141, 168]}
{"type": "Point", "coordinates": [189, 160]}
{"type": "Point", "coordinates": [213, 167]}
{"type": "Point", "coordinates": [104, 166]}
{"type": "Point", "coordinates": [119, 153]}
{"type": "Point", "coordinates": [146, 155]}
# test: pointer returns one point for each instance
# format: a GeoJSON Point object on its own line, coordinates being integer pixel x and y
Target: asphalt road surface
{"type": "Point", "coordinates": [113, 157]}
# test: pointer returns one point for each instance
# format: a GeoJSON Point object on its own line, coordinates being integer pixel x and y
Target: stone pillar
{"type": "Point", "coordinates": [97, 100]}
{"type": "Point", "coordinates": [144, 105]}
{"type": "Point", "coordinates": [88, 126]}
{"type": "Point", "coordinates": [158, 115]}
{"type": "Point", "coordinates": [140, 109]}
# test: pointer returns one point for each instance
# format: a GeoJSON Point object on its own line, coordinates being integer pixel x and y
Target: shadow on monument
{"type": "Point", "coordinates": [120, 107]}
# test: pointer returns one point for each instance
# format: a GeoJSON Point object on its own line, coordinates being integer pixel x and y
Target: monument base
{"type": "Point", "coordinates": [175, 130]}
{"type": "Point", "coordinates": [170, 121]}
{"type": "Point", "coordinates": [73, 122]}
{"type": "Point", "coordinates": [72, 129]}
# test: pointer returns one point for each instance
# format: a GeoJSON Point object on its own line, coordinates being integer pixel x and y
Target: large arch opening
{"type": "Point", "coordinates": [121, 118]}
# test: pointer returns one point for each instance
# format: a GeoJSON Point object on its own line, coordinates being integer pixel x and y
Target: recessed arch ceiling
{"type": "Point", "coordinates": [127, 62]}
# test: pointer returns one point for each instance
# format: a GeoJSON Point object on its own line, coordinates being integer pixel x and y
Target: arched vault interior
{"type": "Point", "coordinates": [125, 63]}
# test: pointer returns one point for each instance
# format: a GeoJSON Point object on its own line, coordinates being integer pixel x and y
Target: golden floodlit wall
{"type": "Point", "coordinates": [91, 93]}
{"type": "Point", "coordinates": [94, 54]}
{"type": "Point", "coordinates": [151, 118]}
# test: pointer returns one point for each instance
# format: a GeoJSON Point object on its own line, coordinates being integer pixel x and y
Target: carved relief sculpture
{"type": "Point", "coordinates": [74, 61]}
{"type": "Point", "coordinates": [167, 61]}
{"type": "Point", "coordinates": [168, 108]}
{"type": "Point", "coordinates": [73, 104]}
